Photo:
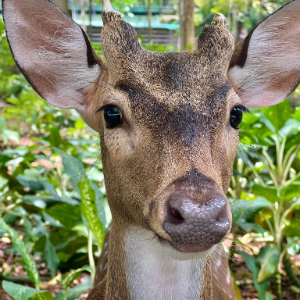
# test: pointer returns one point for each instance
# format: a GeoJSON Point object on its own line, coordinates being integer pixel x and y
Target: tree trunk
{"type": "Point", "coordinates": [166, 2]}
{"type": "Point", "coordinates": [82, 15]}
{"type": "Point", "coordinates": [62, 5]}
{"type": "Point", "coordinates": [237, 26]}
{"type": "Point", "coordinates": [187, 29]}
{"type": "Point", "coordinates": [149, 21]}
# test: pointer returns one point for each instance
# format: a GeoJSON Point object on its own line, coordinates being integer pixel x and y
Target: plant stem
{"type": "Point", "coordinates": [278, 290]}
{"type": "Point", "coordinates": [66, 293]}
{"type": "Point", "coordinates": [91, 254]}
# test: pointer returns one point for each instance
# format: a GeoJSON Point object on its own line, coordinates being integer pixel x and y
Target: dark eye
{"type": "Point", "coordinates": [112, 116]}
{"type": "Point", "coordinates": [236, 117]}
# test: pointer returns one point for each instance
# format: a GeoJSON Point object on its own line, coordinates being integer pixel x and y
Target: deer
{"type": "Point", "coordinates": [168, 126]}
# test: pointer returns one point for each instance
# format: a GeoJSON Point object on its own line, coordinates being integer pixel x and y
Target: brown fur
{"type": "Point", "coordinates": [176, 110]}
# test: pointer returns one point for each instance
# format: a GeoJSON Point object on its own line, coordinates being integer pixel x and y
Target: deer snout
{"type": "Point", "coordinates": [194, 226]}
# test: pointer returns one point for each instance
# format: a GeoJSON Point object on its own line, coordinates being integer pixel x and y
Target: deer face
{"type": "Point", "coordinates": [167, 121]}
{"type": "Point", "coordinates": [167, 141]}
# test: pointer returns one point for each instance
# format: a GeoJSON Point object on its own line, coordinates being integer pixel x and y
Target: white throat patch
{"type": "Point", "coordinates": [152, 273]}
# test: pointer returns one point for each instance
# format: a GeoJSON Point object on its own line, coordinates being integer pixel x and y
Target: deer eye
{"type": "Point", "coordinates": [112, 116]}
{"type": "Point", "coordinates": [236, 117]}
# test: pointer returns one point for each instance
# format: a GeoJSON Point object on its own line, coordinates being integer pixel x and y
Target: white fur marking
{"type": "Point", "coordinates": [152, 273]}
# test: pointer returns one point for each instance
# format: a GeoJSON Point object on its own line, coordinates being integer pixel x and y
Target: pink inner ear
{"type": "Point", "coordinates": [272, 68]}
{"type": "Point", "coordinates": [50, 50]}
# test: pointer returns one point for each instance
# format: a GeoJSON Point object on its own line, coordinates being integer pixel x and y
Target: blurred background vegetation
{"type": "Point", "coordinates": [49, 162]}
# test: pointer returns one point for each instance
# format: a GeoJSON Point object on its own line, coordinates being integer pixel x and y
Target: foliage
{"type": "Point", "coordinates": [273, 173]}
{"type": "Point", "coordinates": [42, 162]}
{"type": "Point", "coordinates": [53, 203]}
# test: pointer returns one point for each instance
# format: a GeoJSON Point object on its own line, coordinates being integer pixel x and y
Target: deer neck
{"type": "Point", "coordinates": [140, 267]}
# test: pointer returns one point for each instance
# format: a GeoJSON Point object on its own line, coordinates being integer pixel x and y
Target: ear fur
{"type": "Point", "coordinates": [265, 67]}
{"type": "Point", "coordinates": [51, 50]}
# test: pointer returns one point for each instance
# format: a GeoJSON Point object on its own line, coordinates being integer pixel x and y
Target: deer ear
{"type": "Point", "coordinates": [265, 67]}
{"type": "Point", "coordinates": [51, 51]}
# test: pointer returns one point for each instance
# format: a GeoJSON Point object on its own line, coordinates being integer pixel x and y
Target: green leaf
{"type": "Point", "coordinates": [51, 221]}
{"type": "Point", "coordinates": [244, 208]}
{"type": "Point", "coordinates": [295, 289]}
{"type": "Point", "coordinates": [271, 193]}
{"type": "Point", "coordinates": [278, 114]}
{"type": "Point", "coordinates": [31, 182]}
{"type": "Point", "coordinates": [269, 264]}
{"type": "Point", "coordinates": [251, 264]}
{"type": "Point", "coordinates": [79, 124]}
{"type": "Point", "coordinates": [296, 204]}
{"type": "Point", "coordinates": [291, 128]}
{"type": "Point", "coordinates": [262, 253]}
{"type": "Point", "coordinates": [17, 291]}
{"type": "Point", "coordinates": [21, 249]}
{"type": "Point", "coordinates": [54, 137]}
{"type": "Point", "coordinates": [75, 292]}
{"type": "Point", "coordinates": [89, 210]}
{"type": "Point", "coordinates": [72, 166]}
{"type": "Point", "coordinates": [68, 215]}
{"type": "Point", "coordinates": [69, 277]}
{"type": "Point", "coordinates": [290, 192]}
{"type": "Point", "coordinates": [293, 229]}
{"type": "Point", "coordinates": [42, 296]}
{"type": "Point", "coordinates": [51, 257]}
{"type": "Point", "coordinates": [250, 226]}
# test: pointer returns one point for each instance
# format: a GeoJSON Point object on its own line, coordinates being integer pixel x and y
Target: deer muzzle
{"type": "Point", "coordinates": [196, 226]}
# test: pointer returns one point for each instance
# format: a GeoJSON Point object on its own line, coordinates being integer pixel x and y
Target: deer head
{"type": "Point", "coordinates": [168, 122]}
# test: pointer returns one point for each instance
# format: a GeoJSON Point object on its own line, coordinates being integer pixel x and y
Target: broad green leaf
{"type": "Point", "coordinates": [42, 296]}
{"type": "Point", "coordinates": [51, 258]}
{"type": "Point", "coordinates": [54, 137]}
{"type": "Point", "coordinates": [17, 291]}
{"type": "Point", "coordinates": [102, 206]}
{"type": "Point", "coordinates": [293, 229]}
{"type": "Point", "coordinates": [251, 264]}
{"type": "Point", "coordinates": [68, 215]}
{"type": "Point", "coordinates": [262, 253]}
{"type": "Point", "coordinates": [89, 210]}
{"type": "Point", "coordinates": [290, 192]}
{"type": "Point", "coordinates": [250, 226]}
{"type": "Point", "coordinates": [72, 166]}
{"type": "Point", "coordinates": [269, 264]}
{"type": "Point", "coordinates": [244, 208]}
{"type": "Point", "coordinates": [271, 193]}
{"type": "Point", "coordinates": [21, 249]}
{"type": "Point", "coordinates": [291, 128]}
{"type": "Point", "coordinates": [51, 221]}
{"type": "Point", "coordinates": [31, 182]}
{"type": "Point", "coordinates": [50, 188]}
{"type": "Point", "coordinates": [278, 114]}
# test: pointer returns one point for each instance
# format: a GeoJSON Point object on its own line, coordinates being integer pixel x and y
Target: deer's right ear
{"type": "Point", "coordinates": [265, 67]}
{"type": "Point", "coordinates": [51, 50]}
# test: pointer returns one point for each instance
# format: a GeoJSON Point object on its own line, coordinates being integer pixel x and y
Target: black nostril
{"type": "Point", "coordinates": [222, 217]}
{"type": "Point", "coordinates": [174, 216]}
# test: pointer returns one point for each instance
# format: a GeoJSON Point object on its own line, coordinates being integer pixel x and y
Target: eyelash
{"type": "Point", "coordinates": [243, 109]}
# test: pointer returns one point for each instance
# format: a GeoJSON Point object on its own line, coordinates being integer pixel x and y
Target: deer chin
{"type": "Point", "coordinates": [187, 251]}
{"type": "Point", "coordinates": [191, 248]}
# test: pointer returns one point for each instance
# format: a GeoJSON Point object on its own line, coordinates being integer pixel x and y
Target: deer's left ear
{"type": "Point", "coordinates": [52, 51]}
{"type": "Point", "coordinates": [265, 67]}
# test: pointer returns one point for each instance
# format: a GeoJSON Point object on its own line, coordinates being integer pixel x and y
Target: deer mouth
{"type": "Point", "coordinates": [190, 248]}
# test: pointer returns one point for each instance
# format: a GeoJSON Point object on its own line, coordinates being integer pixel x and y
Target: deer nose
{"type": "Point", "coordinates": [194, 226]}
